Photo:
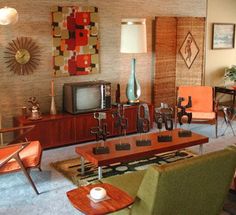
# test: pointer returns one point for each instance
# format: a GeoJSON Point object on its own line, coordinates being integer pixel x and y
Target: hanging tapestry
{"type": "Point", "coordinates": [189, 50]}
{"type": "Point", "coordinates": [75, 40]}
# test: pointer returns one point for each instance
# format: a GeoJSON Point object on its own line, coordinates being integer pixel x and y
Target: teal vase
{"type": "Point", "coordinates": [133, 89]}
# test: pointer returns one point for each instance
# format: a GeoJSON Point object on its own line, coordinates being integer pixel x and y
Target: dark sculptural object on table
{"type": "Point", "coordinates": [163, 114]}
{"type": "Point", "coordinates": [101, 133]}
{"type": "Point", "coordinates": [143, 124]}
{"type": "Point", "coordinates": [121, 122]}
{"type": "Point", "coordinates": [143, 121]}
{"type": "Point", "coordinates": [183, 111]}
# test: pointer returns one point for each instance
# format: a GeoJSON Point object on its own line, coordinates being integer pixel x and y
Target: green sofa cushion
{"type": "Point", "coordinates": [194, 186]}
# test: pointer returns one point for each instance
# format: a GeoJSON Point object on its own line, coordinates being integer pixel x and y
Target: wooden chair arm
{"type": "Point", "coordinates": [16, 149]}
{"type": "Point", "coordinates": [21, 135]}
{"type": "Point", "coordinates": [5, 130]}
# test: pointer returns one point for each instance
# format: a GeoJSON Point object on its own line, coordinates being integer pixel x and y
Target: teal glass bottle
{"type": "Point", "coordinates": [133, 89]}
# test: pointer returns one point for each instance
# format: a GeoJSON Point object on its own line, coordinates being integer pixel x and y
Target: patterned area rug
{"type": "Point", "coordinates": [71, 168]}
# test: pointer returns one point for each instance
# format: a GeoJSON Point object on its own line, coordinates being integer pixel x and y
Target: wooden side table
{"type": "Point", "coordinates": [118, 200]}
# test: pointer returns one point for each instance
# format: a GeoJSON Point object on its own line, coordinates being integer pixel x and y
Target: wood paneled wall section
{"type": "Point", "coordinates": [171, 70]}
{"type": "Point", "coordinates": [165, 48]}
{"type": "Point", "coordinates": [35, 22]}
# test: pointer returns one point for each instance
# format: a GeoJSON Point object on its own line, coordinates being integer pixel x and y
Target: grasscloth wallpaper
{"type": "Point", "coordinates": [35, 21]}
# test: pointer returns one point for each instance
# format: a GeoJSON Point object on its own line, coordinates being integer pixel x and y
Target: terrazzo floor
{"type": "Point", "coordinates": [18, 198]}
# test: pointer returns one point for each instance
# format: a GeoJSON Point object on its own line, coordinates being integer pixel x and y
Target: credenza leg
{"type": "Point", "coordinates": [201, 149]}
{"type": "Point", "coordinates": [99, 172]}
{"type": "Point", "coordinates": [82, 165]}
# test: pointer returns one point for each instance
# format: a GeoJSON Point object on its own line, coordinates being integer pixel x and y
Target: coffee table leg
{"type": "Point", "coordinates": [82, 165]}
{"type": "Point", "coordinates": [99, 172]}
{"type": "Point", "coordinates": [201, 149]}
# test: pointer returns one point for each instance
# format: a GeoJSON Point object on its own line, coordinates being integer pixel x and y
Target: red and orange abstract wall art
{"type": "Point", "coordinates": [75, 40]}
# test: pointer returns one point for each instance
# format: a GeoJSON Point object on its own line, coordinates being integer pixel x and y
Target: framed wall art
{"type": "Point", "coordinates": [189, 50]}
{"type": "Point", "coordinates": [223, 36]}
{"type": "Point", "coordinates": [75, 40]}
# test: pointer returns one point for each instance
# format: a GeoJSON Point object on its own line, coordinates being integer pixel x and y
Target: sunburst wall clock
{"type": "Point", "coordinates": [22, 55]}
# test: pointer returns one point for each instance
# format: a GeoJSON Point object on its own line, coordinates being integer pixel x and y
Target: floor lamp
{"type": "Point", "coordinates": [133, 40]}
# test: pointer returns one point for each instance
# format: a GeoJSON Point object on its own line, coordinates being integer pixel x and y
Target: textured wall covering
{"type": "Point", "coordinates": [35, 21]}
{"type": "Point", "coordinates": [165, 73]}
{"type": "Point", "coordinates": [171, 69]}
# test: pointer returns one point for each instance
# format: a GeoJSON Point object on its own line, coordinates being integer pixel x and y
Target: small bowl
{"type": "Point", "coordinates": [98, 193]}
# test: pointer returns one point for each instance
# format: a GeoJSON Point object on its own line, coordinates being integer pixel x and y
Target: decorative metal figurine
{"type": "Point", "coordinates": [143, 125]}
{"type": "Point", "coordinates": [34, 109]}
{"type": "Point", "coordinates": [164, 114]}
{"type": "Point", "coordinates": [183, 108]}
{"type": "Point", "coordinates": [121, 122]}
{"type": "Point", "coordinates": [101, 133]}
{"type": "Point", "coordinates": [118, 94]}
{"type": "Point", "coordinates": [143, 122]}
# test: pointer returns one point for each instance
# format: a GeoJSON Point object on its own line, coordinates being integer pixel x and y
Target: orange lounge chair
{"type": "Point", "coordinates": [204, 108]}
{"type": "Point", "coordinates": [20, 156]}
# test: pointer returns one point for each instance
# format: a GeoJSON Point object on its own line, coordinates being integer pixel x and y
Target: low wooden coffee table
{"type": "Point", "coordinates": [137, 152]}
{"type": "Point", "coordinates": [118, 199]}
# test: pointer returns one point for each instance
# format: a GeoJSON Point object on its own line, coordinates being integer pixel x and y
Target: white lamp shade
{"type": "Point", "coordinates": [133, 36]}
{"type": "Point", "coordinates": [8, 16]}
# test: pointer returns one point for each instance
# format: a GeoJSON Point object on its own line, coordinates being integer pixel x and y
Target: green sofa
{"type": "Point", "coordinates": [195, 186]}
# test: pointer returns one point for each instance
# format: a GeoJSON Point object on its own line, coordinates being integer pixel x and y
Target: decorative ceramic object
{"type": "Point", "coordinates": [98, 193]}
{"type": "Point", "coordinates": [133, 89]}
{"type": "Point", "coordinates": [34, 109]}
{"type": "Point", "coordinates": [53, 109]}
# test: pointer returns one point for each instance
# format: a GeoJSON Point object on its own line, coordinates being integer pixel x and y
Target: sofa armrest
{"type": "Point", "coordinates": [128, 182]}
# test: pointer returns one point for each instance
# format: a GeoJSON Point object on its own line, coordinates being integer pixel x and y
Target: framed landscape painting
{"type": "Point", "coordinates": [223, 36]}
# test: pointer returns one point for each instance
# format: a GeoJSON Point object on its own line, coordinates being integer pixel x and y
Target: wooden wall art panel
{"type": "Point", "coordinates": [176, 64]}
{"type": "Point", "coordinates": [75, 40]}
{"type": "Point", "coordinates": [193, 75]}
{"type": "Point", "coordinates": [189, 50]}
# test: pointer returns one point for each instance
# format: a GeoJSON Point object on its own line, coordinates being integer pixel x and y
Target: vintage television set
{"type": "Point", "coordinates": [80, 97]}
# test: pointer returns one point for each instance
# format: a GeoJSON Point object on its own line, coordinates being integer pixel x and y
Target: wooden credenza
{"type": "Point", "coordinates": [64, 129]}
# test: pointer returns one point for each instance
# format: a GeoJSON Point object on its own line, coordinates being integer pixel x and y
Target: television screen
{"type": "Point", "coordinates": [88, 97]}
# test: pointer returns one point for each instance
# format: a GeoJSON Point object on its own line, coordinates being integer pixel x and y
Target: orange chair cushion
{"type": "Point", "coordinates": [30, 156]}
{"type": "Point", "coordinates": [202, 97]}
{"type": "Point", "coordinates": [204, 115]}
